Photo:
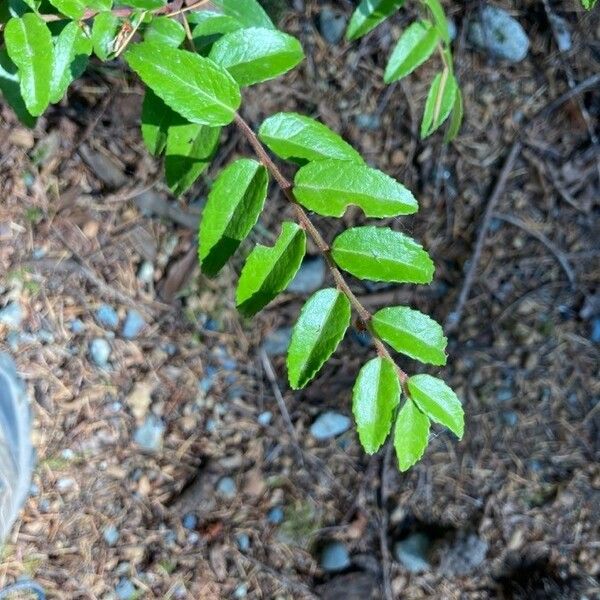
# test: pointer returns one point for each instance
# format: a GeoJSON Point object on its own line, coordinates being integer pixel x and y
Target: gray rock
{"type": "Point", "coordinates": [100, 352]}
{"type": "Point", "coordinates": [11, 315]}
{"type": "Point", "coordinates": [190, 521]}
{"type": "Point", "coordinates": [331, 25]}
{"type": "Point", "coordinates": [510, 418]}
{"type": "Point", "coordinates": [334, 557]}
{"type": "Point", "coordinates": [464, 555]}
{"type": "Point", "coordinates": [134, 323]}
{"type": "Point", "coordinates": [226, 487]}
{"type": "Point", "coordinates": [243, 542]}
{"type": "Point", "coordinates": [504, 394]}
{"type": "Point", "coordinates": [496, 32]}
{"type": "Point", "coordinates": [412, 552]}
{"type": "Point", "coordinates": [64, 484]}
{"type": "Point", "coordinates": [265, 418]}
{"type": "Point", "coordinates": [329, 425]}
{"type": "Point", "coordinates": [368, 122]}
{"type": "Point", "coordinates": [77, 326]}
{"type": "Point", "coordinates": [149, 436]}
{"type": "Point", "coordinates": [111, 535]}
{"type": "Point", "coordinates": [562, 33]}
{"type": "Point", "coordinates": [241, 591]}
{"type": "Point", "coordinates": [146, 272]}
{"type": "Point", "coordinates": [275, 515]}
{"type": "Point", "coordinates": [310, 276]}
{"type": "Point", "coordinates": [276, 343]}
{"type": "Point", "coordinates": [125, 590]}
{"type": "Point", "coordinates": [107, 316]}
{"type": "Point", "coordinates": [595, 336]}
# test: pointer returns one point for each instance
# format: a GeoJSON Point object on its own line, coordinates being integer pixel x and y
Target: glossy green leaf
{"type": "Point", "coordinates": [189, 150]}
{"type": "Point", "coordinates": [268, 271]}
{"type": "Point", "coordinates": [157, 117]}
{"type": "Point", "coordinates": [439, 18]}
{"type": "Point", "coordinates": [104, 31]}
{"type": "Point", "coordinates": [295, 137]}
{"type": "Point", "coordinates": [233, 207]}
{"type": "Point", "coordinates": [194, 86]}
{"type": "Point", "coordinates": [588, 4]}
{"type": "Point", "coordinates": [439, 103]}
{"type": "Point", "coordinates": [456, 117]}
{"type": "Point", "coordinates": [209, 23]}
{"type": "Point", "coordinates": [438, 402]}
{"type": "Point", "coordinates": [71, 51]}
{"type": "Point", "coordinates": [11, 89]}
{"type": "Point", "coordinates": [327, 187]}
{"type": "Point", "coordinates": [368, 14]}
{"type": "Point", "coordinates": [164, 30]}
{"type": "Point", "coordinates": [414, 47]}
{"type": "Point", "coordinates": [248, 12]}
{"type": "Point", "coordinates": [375, 397]}
{"type": "Point", "coordinates": [143, 4]}
{"type": "Point", "coordinates": [411, 435]}
{"type": "Point", "coordinates": [257, 54]}
{"type": "Point", "coordinates": [316, 335]}
{"type": "Point", "coordinates": [412, 333]}
{"type": "Point", "coordinates": [380, 254]}
{"type": "Point", "coordinates": [29, 45]}
{"type": "Point", "coordinates": [73, 9]}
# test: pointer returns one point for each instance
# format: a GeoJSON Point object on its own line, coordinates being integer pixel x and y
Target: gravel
{"type": "Point", "coordinates": [226, 487]}
{"type": "Point", "coordinates": [100, 352]}
{"type": "Point", "coordinates": [149, 435]}
{"type": "Point", "coordinates": [334, 557]}
{"type": "Point", "coordinates": [412, 552]}
{"type": "Point", "coordinates": [107, 316]}
{"type": "Point", "coordinates": [332, 25]}
{"type": "Point", "coordinates": [134, 323]}
{"type": "Point", "coordinates": [329, 425]}
{"type": "Point", "coordinates": [11, 315]}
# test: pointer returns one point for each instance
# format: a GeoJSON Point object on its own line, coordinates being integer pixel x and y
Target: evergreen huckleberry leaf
{"type": "Point", "coordinates": [456, 117]}
{"type": "Point", "coordinates": [164, 30]}
{"type": "Point", "coordinates": [74, 9]}
{"type": "Point", "coordinates": [588, 4]}
{"type": "Point", "coordinates": [316, 335]}
{"type": "Point", "coordinates": [268, 271]}
{"type": "Point", "coordinates": [327, 187]}
{"type": "Point", "coordinates": [11, 90]}
{"type": "Point", "coordinates": [411, 435]}
{"type": "Point", "coordinates": [232, 209]}
{"type": "Point", "coordinates": [439, 18]}
{"type": "Point", "coordinates": [414, 47]}
{"type": "Point", "coordinates": [256, 54]}
{"type": "Point", "coordinates": [143, 4]}
{"type": "Point", "coordinates": [157, 117]}
{"type": "Point", "coordinates": [438, 402]}
{"type": "Point", "coordinates": [189, 150]}
{"type": "Point", "coordinates": [368, 14]}
{"type": "Point", "coordinates": [412, 333]}
{"type": "Point", "coordinates": [295, 137]}
{"type": "Point", "coordinates": [71, 50]}
{"type": "Point", "coordinates": [29, 45]}
{"type": "Point", "coordinates": [248, 12]}
{"type": "Point", "coordinates": [375, 397]}
{"type": "Point", "coordinates": [439, 103]}
{"type": "Point", "coordinates": [380, 254]}
{"type": "Point", "coordinates": [207, 23]}
{"type": "Point", "coordinates": [104, 31]}
{"type": "Point", "coordinates": [192, 85]}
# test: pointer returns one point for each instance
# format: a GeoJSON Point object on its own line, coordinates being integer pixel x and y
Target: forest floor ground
{"type": "Point", "coordinates": [511, 511]}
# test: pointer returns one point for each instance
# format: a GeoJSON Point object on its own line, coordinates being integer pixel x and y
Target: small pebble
{"type": "Point", "coordinates": [77, 326]}
{"type": "Point", "coordinates": [134, 323]}
{"type": "Point", "coordinates": [329, 425]}
{"type": "Point", "coordinates": [510, 418]}
{"type": "Point", "coordinates": [596, 331]}
{"type": "Point", "coordinates": [107, 316]}
{"type": "Point", "coordinates": [67, 454]}
{"type": "Point", "coordinates": [193, 538]}
{"type": "Point", "coordinates": [146, 272]}
{"type": "Point", "coordinates": [111, 535]}
{"type": "Point", "coordinates": [100, 352]}
{"type": "Point", "coordinates": [562, 34]}
{"type": "Point", "coordinates": [149, 435]}
{"type": "Point", "coordinates": [276, 343]}
{"type": "Point", "coordinates": [334, 557]}
{"type": "Point", "coordinates": [265, 418]}
{"type": "Point", "coordinates": [241, 591]}
{"type": "Point", "coordinates": [64, 484]}
{"type": "Point", "coordinates": [368, 122]}
{"type": "Point", "coordinates": [310, 276]}
{"type": "Point", "coordinates": [412, 552]}
{"type": "Point", "coordinates": [190, 521]}
{"type": "Point", "coordinates": [11, 315]}
{"type": "Point", "coordinates": [226, 487]}
{"type": "Point", "coordinates": [275, 515]}
{"type": "Point", "coordinates": [504, 394]}
{"type": "Point", "coordinates": [243, 542]}
{"type": "Point", "coordinates": [125, 590]}
{"type": "Point", "coordinates": [331, 25]}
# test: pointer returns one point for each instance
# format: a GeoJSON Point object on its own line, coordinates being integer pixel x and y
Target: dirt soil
{"type": "Point", "coordinates": [85, 220]}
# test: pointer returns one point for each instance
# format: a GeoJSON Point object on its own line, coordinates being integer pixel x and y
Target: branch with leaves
{"type": "Point", "coordinates": [191, 94]}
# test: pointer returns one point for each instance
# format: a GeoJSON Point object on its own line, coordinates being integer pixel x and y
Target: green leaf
{"type": "Point", "coordinates": [438, 402]}
{"type": "Point", "coordinates": [249, 12]}
{"type": "Point", "coordinates": [74, 9]}
{"type": "Point", "coordinates": [212, 23]}
{"type": "Point", "coordinates": [190, 148]}
{"type": "Point", "coordinates": [375, 397]}
{"type": "Point", "coordinates": [104, 31]}
{"type": "Point", "coordinates": [439, 103]}
{"type": "Point", "coordinates": [233, 207]}
{"type": "Point", "coordinates": [414, 47]}
{"type": "Point", "coordinates": [411, 435]}
{"type": "Point", "coordinates": [157, 117]}
{"type": "Point", "coordinates": [380, 254]}
{"type": "Point", "coordinates": [412, 333]}
{"type": "Point", "coordinates": [164, 30]}
{"type": "Point", "coordinates": [296, 137]}
{"type": "Point", "coordinates": [11, 91]}
{"type": "Point", "coordinates": [190, 84]}
{"type": "Point", "coordinates": [439, 18]}
{"type": "Point", "coordinates": [369, 14]}
{"type": "Point", "coordinates": [327, 187]}
{"type": "Point", "coordinates": [268, 271]}
{"type": "Point", "coordinates": [320, 328]}
{"type": "Point", "coordinates": [29, 45]}
{"type": "Point", "coordinates": [588, 4]}
{"type": "Point", "coordinates": [143, 4]}
{"type": "Point", "coordinates": [257, 54]}
{"type": "Point", "coordinates": [456, 117]}
{"type": "Point", "coordinates": [71, 50]}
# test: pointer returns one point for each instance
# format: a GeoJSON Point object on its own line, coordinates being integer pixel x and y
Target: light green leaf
{"type": "Point", "coordinates": [249, 12]}
{"type": "Point", "coordinates": [438, 402]}
{"type": "Point", "coordinates": [164, 30]}
{"type": "Point", "coordinates": [143, 4]}
{"type": "Point", "coordinates": [439, 103]}
{"type": "Point", "coordinates": [369, 14]}
{"type": "Point", "coordinates": [327, 187]}
{"type": "Point", "coordinates": [73, 9]}
{"type": "Point", "coordinates": [375, 397]}
{"type": "Point", "coordinates": [71, 50]}
{"type": "Point", "coordinates": [380, 254]}
{"type": "Point", "coordinates": [411, 435]}
{"type": "Point", "coordinates": [104, 31]}
{"type": "Point", "coordinates": [268, 271]}
{"type": "Point", "coordinates": [414, 47]}
{"type": "Point", "coordinates": [296, 137]}
{"type": "Point", "coordinates": [456, 117]}
{"type": "Point", "coordinates": [11, 91]}
{"type": "Point", "coordinates": [29, 45]}
{"type": "Point", "coordinates": [588, 4]}
{"type": "Point", "coordinates": [256, 54]}
{"type": "Point", "coordinates": [190, 84]}
{"type": "Point", "coordinates": [233, 207]}
{"type": "Point", "coordinates": [439, 18]}
{"type": "Point", "coordinates": [190, 148]}
{"type": "Point", "coordinates": [212, 23]}
{"type": "Point", "coordinates": [157, 117]}
{"type": "Point", "coordinates": [412, 333]}
{"type": "Point", "coordinates": [320, 328]}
